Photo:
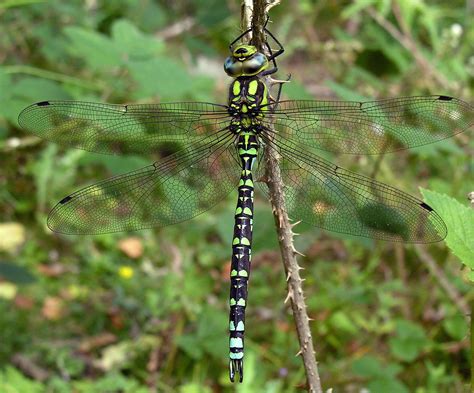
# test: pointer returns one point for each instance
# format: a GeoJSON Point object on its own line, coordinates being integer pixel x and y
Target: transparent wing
{"type": "Point", "coordinates": [371, 127]}
{"type": "Point", "coordinates": [329, 197]}
{"type": "Point", "coordinates": [178, 188]}
{"type": "Point", "coordinates": [121, 129]}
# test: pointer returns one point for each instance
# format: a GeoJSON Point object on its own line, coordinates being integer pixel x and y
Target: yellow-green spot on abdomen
{"type": "Point", "coordinates": [233, 273]}
{"type": "Point", "coordinates": [241, 302]}
{"type": "Point", "coordinates": [239, 209]}
{"type": "Point", "coordinates": [236, 241]}
{"type": "Point", "coordinates": [245, 241]}
{"type": "Point", "coordinates": [240, 327]}
{"type": "Point", "coordinates": [232, 302]}
{"type": "Point", "coordinates": [232, 326]}
{"type": "Point", "coordinates": [243, 273]}
{"type": "Point", "coordinates": [247, 211]}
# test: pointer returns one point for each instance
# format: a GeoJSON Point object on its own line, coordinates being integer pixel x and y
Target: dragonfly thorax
{"type": "Point", "coordinates": [248, 98]}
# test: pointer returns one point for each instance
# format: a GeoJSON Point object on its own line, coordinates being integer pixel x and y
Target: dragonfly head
{"type": "Point", "coordinates": [245, 60]}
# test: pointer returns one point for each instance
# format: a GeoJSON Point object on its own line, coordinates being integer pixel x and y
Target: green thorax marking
{"type": "Point", "coordinates": [248, 99]}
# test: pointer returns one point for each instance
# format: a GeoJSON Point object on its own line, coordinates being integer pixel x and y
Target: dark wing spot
{"type": "Point", "coordinates": [65, 200]}
{"type": "Point", "coordinates": [445, 98]}
{"type": "Point", "coordinates": [425, 206]}
{"type": "Point", "coordinates": [43, 103]}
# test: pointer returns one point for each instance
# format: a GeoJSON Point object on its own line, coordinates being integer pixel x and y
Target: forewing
{"type": "Point", "coordinates": [371, 127]}
{"type": "Point", "coordinates": [121, 129]}
{"type": "Point", "coordinates": [178, 188]}
{"type": "Point", "coordinates": [329, 197]}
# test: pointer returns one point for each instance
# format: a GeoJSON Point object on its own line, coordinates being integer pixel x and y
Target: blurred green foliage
{"type": "Point", "coordinates": [148, 311]}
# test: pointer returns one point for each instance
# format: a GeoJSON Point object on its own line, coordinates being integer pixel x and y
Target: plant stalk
{"type": "Point", "coordinates": [254, 13]}
{"type": "Point", "coordinates": [470, 197]}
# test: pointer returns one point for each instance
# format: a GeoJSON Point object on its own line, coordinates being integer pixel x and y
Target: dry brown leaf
{"type": "Point", "coordinates": [52, 270]}
{"type": "Point", "coordinates": [24, 302]}
{"type": "Point", "coordinates": [53, 308]}
{"type": "Point", "coordinates": [132, 247]}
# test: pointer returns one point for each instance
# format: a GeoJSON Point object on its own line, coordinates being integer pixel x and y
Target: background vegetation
{"type": "Point", "coordinates": [147, 311]}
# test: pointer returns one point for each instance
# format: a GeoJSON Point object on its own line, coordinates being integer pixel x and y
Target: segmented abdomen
{"type": "Point", "coordinates": [241, 253]}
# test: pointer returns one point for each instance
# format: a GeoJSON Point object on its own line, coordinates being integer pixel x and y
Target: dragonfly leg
{"type": "Point", "coordinates": [273, 55]}
{"type": "Point", "coordinates": [277, 53]}
{"type": "Point", "coordinates": [238, 38]}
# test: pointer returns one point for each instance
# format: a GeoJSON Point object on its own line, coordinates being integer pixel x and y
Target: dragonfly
{"type": "Point", "coordinates": [208, 150]}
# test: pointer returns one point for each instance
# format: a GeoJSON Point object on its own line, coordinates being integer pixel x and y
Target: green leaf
{"type": "Point", "coordinates": [387, 385]}
{"type": "Point", "coordinates": [409, 341]}
{"type": "Point", "coordinates": [209, 338]}
{"type": "Point", "coordinates": [133, 42]}
{"type": "Point", "coordinates": [219, 12]}
{"type": "Point", "coordinates": [456, 327]}
{"type": "Point", "coordinates": [408, 9]}
{"type": "Point", "coordinates": [344, 93]}
{"type": "Point", "coordinates": [371, 367]}
{"type": "Point", "coordinates": [35, 88]}
{"type": "Point", "coordinates": [341, 322]}
{"type": "Point", "coordinates": [460, 222]}
{"type": "Point", "coordinates": [16, 274]}
{"type": "Point", "coordinates": [296, 90]}
{"type": "Point", "coordinates": [368, 367]}
{"type": "Point", "coordinates": [12, 381]}
{"type": "Point", "coordinates": [97, 50]}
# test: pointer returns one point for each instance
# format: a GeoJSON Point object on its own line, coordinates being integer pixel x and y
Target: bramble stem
{"type": "Point", "coordinates": [470, 197]}
{"type": "Point", "coordinates": [472, 346]}
{"type": "Point", "coordinates": [254, 14]}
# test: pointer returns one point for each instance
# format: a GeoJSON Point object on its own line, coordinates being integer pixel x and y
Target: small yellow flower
{"type": "Point", "coordinates": [126, 272]}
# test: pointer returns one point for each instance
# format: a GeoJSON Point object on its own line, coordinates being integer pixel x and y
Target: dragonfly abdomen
{"type": "Point", "coordinates": [241, 253]}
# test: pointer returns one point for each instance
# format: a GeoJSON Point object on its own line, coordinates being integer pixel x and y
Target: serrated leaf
{"type": "Point", "coordinates": [164, 77]}
{"type": "Point", "coordinates": [35, 89]}
{"type": "Point", "coordinates": [133, 42]}
{"type": "Point", "coordinates": [459, 220]}
{"type": "Point", "coordinates": [97, 50]}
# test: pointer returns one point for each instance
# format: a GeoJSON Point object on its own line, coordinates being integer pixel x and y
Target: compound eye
{"type": "Point", "coordinates": [232, 67]}
{"type": "Point", "coordinates": [255, 64]}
